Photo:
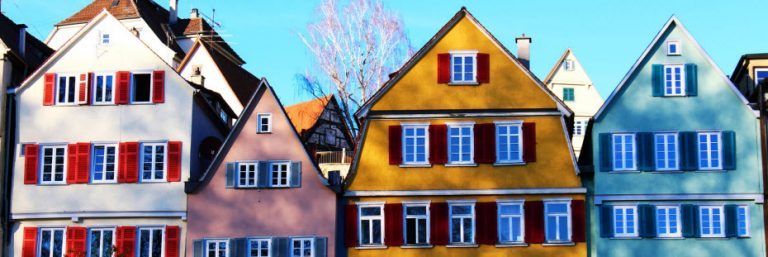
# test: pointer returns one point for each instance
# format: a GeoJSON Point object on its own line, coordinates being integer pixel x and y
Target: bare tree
{"type": "Point", "coordinates": [355, 48]}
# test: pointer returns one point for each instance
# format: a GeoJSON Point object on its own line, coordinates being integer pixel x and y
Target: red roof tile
{"type": "Point", "coordinates": [304, 115]}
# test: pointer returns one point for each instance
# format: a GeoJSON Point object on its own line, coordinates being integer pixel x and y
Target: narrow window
{"type": "Point", "coordinates": [280, 174]}
{"type": "Point", "coordinates": [66, 89]}
{"type": "Point", "coordinates": [710, 151]}
{"type": "Point", "coordinates": [265, 122]}
{"type": "Point", "coordinates": [259, 247]}
{"type": "Point", "coordinates": [416, 220]}
{"type": "Point", "coordinates": [103, 92]}
{"type": "Point", "coordinates": [51, 242]}
{"type": "Point", "coordinates": [150, 242]}
{"type": "Point", "coordinates": [742, 220]}
{"type": "Point", "coordinates": [303, 247]}
{"type": "Point", "coordinates": [578, 128]}
{"type": "Point", "coordinates": [509, 146]}
{"type": "Point", "coordinates": [673, 48]}
{"type": "Point", "coordinates": [247, 174]}
{"type": "Point", "coordinates": [462, 223]}
{"type": "Point", "coordinates": [415, 144]}
{"type": "Point", "coordinates": [511, 222]}
{"type": "Point", "coordinates": [557, 221]}
{"type": "Point", "coordinates": [674, 80]}
{"type": "Point", "coordinates": [568, 94]}
{"type": "Point", "coordinates": [569, 65]}
{"type": "Point", "coordinates": [460, 144]}
{"type": "Point", "coordinates": [711, 218]}
{"type": "Point", "coordinates": [624, 152]}
{"type": "Point", "coordinates": [668, 221]}
{"type": "Point", "coordinates": [53, 163]}
{"type": "Point", "coordinates": [463, 68]}
{"type": "Point", "coordinates": [153, 162]}
{"type": "Point", "coordinates": [666, 151]}
{"type": "Point", "coordinates": [101, 242]}
{"type": "Point", "coordinates": [142, 87]}
{"type": "Point", "coordinates": [104, 163]}
{"type": "Point", "coordinates": [371, 219]}
{"type": "Point", "coordinates": [625, 221]}
{"type": "Point", "coordinates": [105, 38]}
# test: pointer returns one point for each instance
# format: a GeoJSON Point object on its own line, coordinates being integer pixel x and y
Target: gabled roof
{"type": "Point", "coordinates": [304, 115]}
{"type": "Point", "coordinates": [35, 50]}
{"type": "Point", "coordinates": [121, 9]}
{"type": "Point", "coordinates": [463, 12]}
{"type": "Point", "coordinates": [559, 62]}
{"type": "Point", "coordinates": [646, 54]}
{"type": "Point", "coordinates": [741, 66]}
{"type": "Point", "coordinates": [200, 27]}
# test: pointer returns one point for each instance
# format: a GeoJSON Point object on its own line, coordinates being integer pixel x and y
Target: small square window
{"type": "Point", "coordinates": [265, 123]}
{"type": "Point", "coordinates": [673, 48]}
{"type": "Point", "coordinates": [569, 65]}
{"type": "Point", "coordinates": [142, 87]}
{"type": "Point", "coordinates": [568, 94]}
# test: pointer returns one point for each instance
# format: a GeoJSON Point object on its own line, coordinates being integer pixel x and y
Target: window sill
{"type": "Point", "coordinates": [415, 165]}
{"type": "Point", "coordinates": [670, 238]}
{"type": "Point", "coordinates": [461, 165]}
{"type": "Point", "coordinates": [626, 238]}
{"type": "Point", "coordinates": [52, 184]}
{"type": "Point", "coordinates": [139, 103]}
{"type": "Point", "coordinates": [416, 246]}
{"type": "Point", "coordinates": [624, 171]}
{"type": "Point", "coordinates": [462, 246]}
{"type": "Point", "coordinates": [264, 132]}
{"type": "Point", "coordinates": [509, 164]}
{"type": "Point", "coordinates": [102, 182]}
{"type": "Point", "coordinates": [714, 238]}
{"type": "Point", "coordinates": [559, 244]}
{"type": "Point", "coordinates": [667, 171]}
{"type": "Point", "coordinates": [504, 245]}
{"type": "Point", "coordinates": [463, 83]}
{"type": "Point", "coordinates": [371, 247]}
{"type": "Point", "coordinates": [710, 171]}
{"type": "Point", "coordinates": [153, 181]}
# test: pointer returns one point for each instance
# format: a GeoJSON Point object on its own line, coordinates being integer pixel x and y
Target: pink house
{"type": "Point", "coordinates": [262, 196]}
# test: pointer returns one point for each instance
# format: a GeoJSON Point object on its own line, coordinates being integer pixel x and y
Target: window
{"type": "Point", "coordinates": [569, 65]}
{"type": "Point", "coordinates": [259, 247]}
{"type": "Point", "coordinates": [674, 80]}
{"type": "Point", "coordinates": [142, 87]}
{"type": "Point", "coordinates": [710, 151]}
{"type": "Point", "coordinates": [464, 69]}
{"type": "Point", "coordinates": [415, 144]}
{"type": "Point", "coordinates": [103, 92]}
{"type": "Point", "coordinates": [742, 221]}
{"type": "Point", "coordinates": [511, 224]}
{"type": "Point", "coordinates": [54, 161]}
{"type": "Point", "coordinates": [153, 162]}
{"type": "Point", "coordinates": [280, 174]}
{"type": "Point", "coordinates": [624, 152]}
{"type": "Point", "coordinates": [668, 221]}
{"type": "Point", "coordinates": [104, 39]}
{"type": "Point", "coordinates": [104, 163]}
{"type": "Point", "coordinates": [224, 116]}
{"type": "Point", "coordinates": [579, 127]}
{"type": "Point", "coordinates": [711, 221]}
{"type": "Point", "coordinates": [247, 174]}
{"type": "Point", "coordinates": [302, 247]}
{"type": "Point", "coordinates": [509, 143]}
{"type": "Point", "coordinates": [557, 221]}
{"type": "Point", "coordinates": [666, 151]}
{"type": "Point", "coordinates": [460, 144]}
{"type": "Point", "coordinates": [416, 220]}
{"type": "Point", "coordinates": [150, 242]}
{"type": "Point", "coordinates": [625, 221]}
{"type": "Point", "coordinates": [760, 75]}
{"type": "Point", "coordinates": [371, 230]}
{"type": "Point", "coordinates": [100, 242]}
{"type": "Point", "coordinates": [66, 89]}
{"type": "Point", "coordinates": [462, 224]}
{"type": "Point", "coordinates": [673, 48]}
{"type": "Point", "coordinates": [265, 122]}
{"type": "Point", "coordinates": [217, 248]}
{"type": "Point", "coordinates": [51, 242]}
{"type": "Point", "coordinates": [568, 94]}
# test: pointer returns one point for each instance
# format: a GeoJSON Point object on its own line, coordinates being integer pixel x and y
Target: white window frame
{"type": "Point", "coordinates": [673, 80]}
{"type": "Point", "coordinates": [662, 164]}
{"type": "Point", "coordinates": [104, 163]}
{"type": "Point", "coordinates": [464, 55]}
{"type": "Point", "coordinates": [259, 118]}
{"type": "Point", "coordinates": [104, 95]}
{"type": "Point", "coordinates": [757, 70]}
{"type": "Point", "coordinates": [460, 126]}
{"type": "Point", "coordinates": [406, 126]}
{"type": "Point", "coordinates": [39, 247]}
{"type": "Point", "coordinates": [53, 165]}
{"type": "Point", "coordinates": [133, 87]}
{"type": "Point", "coordinates": [150, 228]}
{"type": "Point", "coordinates": [569, 65]}
{"type": "Point", "coordinates": [711, 220]}
{"type": "Point", "coordinates": [259, 240]}
{"type": "Point", "coordinates": [667, 221]}
{"type": "Point", "coordinates": [709, 150]}
{"type": "Point", "coordinates": [508, 159]}
{"type": "Point", "coordinates": [623, 152]}
{"type": "Point", "coordinates": [579, 127]}
{"type": "Point", "coordinates": [301, 247]}
{"type": "Point", "coordinates": [370, 219]}
{"type": "Point", "coordinates": [623, 209]}
{"type": "Point", "coordinates": [101, 246]}
{"type": "Point", "coordinates": [472, 216]}
{"type": "Point", "coordinates": [677, 47]}
{"type": "Point", "coordinates": [74, 88]}
{"type": "Point", "coordinates": [501, 216]}
{"type": "Point", "coordinates": [153, 170]}
{"type": "Point", "coordinates": [287, 173]}
{"type": "Point", "coordinates": [745, 209]}
{"type": "Point", "coordinates": [406, 216]}
{"type": "Point", "coordinates": [218, 249]}
{"type": "Point", "coordinates": [255, 174]}
{"type": "Point", "coordinates": [104, 35]}
{"type": "Point", "coordinates": [567, 203]}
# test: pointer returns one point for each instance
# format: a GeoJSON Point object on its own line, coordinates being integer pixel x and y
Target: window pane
{"type": "Point", "coordinates": [141, 87]}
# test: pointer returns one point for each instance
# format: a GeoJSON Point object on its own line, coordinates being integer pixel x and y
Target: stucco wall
{"type": "Point", "coordinates": [214, 80]}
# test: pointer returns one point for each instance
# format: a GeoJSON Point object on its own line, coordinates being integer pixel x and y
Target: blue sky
{"type": "Point", "coordinates": [606, 35]}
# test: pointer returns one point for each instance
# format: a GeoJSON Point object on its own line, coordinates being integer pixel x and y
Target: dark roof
{"type": "Point", "coordinates": [199, 26]}
{"type": "Point", "coordinates": [35, 51]}
{"type": "Point", "coordinates": [740, 66]}
{"type": "Point", "coordinates": [242, 82]}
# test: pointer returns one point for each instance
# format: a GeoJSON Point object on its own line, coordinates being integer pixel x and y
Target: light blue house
{"type": "Point", "coordinates": [676, 155]}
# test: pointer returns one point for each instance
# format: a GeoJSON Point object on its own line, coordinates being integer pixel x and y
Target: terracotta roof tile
{"type": "Point", "coordinates": [304, 115]}
{"type": "Point", "coordinates": [121, 9]}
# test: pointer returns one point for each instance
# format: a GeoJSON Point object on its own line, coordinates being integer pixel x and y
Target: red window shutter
{"type": "Point", "coordinates": [158, 86]}
{"type": "Point", "coordinates": [534, 222]}
{"type": "Point", "coordinates": [49, 86]}
{"type": "Point", "coordinates": [529, 142]}
{"type": "Point", "coordinates": [126, 241]}
{"type": "Point", "coordinates": [579, 219]}
{"type": "Point", "coordinates": [486, 223]}
{"type": "Point", "coordinates": [71, 163]}
{"type": "Point", "coordinates": [174, 161]}
{"type": "Point", "coordinates": [76, 241]}
{"type": "Point", "coordinates": [483, 68]}
{"type": "Point", "coordinates": [82, 97]}
{"type": "Point", "coordinates": [350, 226]}
{"type": "Point", "coordinates": [128, 168]}
{"type": "Point", "coordinates": [393, 224]}
{"type": "Point", "coordinates": [395, 145]}
{"type": "Point", "coordinates": [438, 144]}
{"type": "Point", "coordinates": [443, 68]}
{"type": "Point", "coordinates": [31, 163]}
{"type": "Point", "coordinates": [83, 162]}
{"type": "Point", "coordinates": [439, 223]}
{"type": "Point", "coordinates": [172, 239]}
{"type": "Point", "coordinates": [485, 143]}
{"type": "Point", "coordinates": [123, 87]}
{"type": "Point", "coordinates": [29, 245]}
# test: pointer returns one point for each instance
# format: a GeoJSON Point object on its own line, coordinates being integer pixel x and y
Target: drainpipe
{"type": "Point", "coordinates": [763, 137]}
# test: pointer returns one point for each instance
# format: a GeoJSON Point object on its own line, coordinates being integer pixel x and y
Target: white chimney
{"type": "Point", "coordinates": [524, 50]}
{"type": "Point", "coordinates": [22, 39]}
{"type": "Point", "coordinates": [194, 14]}
{"type": "Point", "coordinates": [173, 11]}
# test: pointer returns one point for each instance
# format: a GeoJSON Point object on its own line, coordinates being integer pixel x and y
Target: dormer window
{"type": "Point", "coordinates": [463, 67]}
{"type": "Point", "coordinates": [673, 48]}
{"type": "Point", "coordinates": [569, 65]}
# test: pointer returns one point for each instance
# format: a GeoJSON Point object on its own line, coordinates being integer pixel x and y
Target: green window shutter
{"type": "Point", "coordinates": [606, 152]}
{"type": "Point", "coordinates": [731, 221]}
{"type": "Point", "coordinates": [606, 221]}
{"type": "Point", "coordinates": [197, 247]}
{"type": "Point", "coordinates": [691, 80]}
{"type": "Point", "coordinates": [690, 218]}
{"type": "Point", "coordinates": [729, 150]}
{"type": "Point", "coordinates": [690, 151]}
{"type": "Point", "coordinates": [231, 174]}
{"type": "Point", "coordinates": [262, 175]}
{"type": "Point", "coordinates": [647, 220]}
{"type": "Point", "coordinates": [295, 174]}
{"type": "Point", "coordinates": [657, 77]}
{"type": "Point", "coordinates": [646, 151]}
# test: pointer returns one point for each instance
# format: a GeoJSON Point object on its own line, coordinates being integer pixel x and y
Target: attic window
{"type": "Point", "coordinates": [673, 48]}
{"type": "Point", "coordinates": [104, 39]}
{"type": "Point", "coordinates": [569, 65]}
{"type": "Point", "coordinates": [265, 123]}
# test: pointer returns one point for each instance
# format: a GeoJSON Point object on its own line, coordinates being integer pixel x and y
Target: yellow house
{"type": "Point", "coordinates": [464, 152]}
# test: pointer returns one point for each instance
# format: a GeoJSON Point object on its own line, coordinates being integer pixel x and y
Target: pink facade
{"type": "Point", "coordinates": [216, 211]}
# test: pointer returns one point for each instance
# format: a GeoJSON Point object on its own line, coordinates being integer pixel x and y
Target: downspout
{"type": "Point", "coordinates": [763, 144]}
{"type": "Point", "coordinates": [10, 139]}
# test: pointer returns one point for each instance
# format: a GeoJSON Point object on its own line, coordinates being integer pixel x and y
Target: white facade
{"type": "Point", "coordinates": [200, 57]}
{"type": "Point", "coordinates": [570, 82]}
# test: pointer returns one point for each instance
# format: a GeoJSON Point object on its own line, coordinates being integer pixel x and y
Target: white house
{"type": "Point", "coordinates": [570, 82]}
{"type": "Point", "coordinates": [107, 131]}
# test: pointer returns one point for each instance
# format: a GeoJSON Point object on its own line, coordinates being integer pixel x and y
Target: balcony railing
{"type": "Point", "coordinates": [327, 157]}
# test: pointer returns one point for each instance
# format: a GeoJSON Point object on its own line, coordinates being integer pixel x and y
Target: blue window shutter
{"type": "Point", "coordinates": [606, 152]}
{"type": "Point", "coordinates": [295, 174]}
{"type": "Point", "coordinates": [262, 175]}
{"type": "Point", "coordinates": [729, 150]}
{"type": "Point", "coordinates": [647, 220]}
{"type": "Point", "coordinates": [606, 221]}
{"type": "Point", "coordinates": [321, 247]}
{"type": "Point", "coordinates": [231, 174]}
{"type": "Point", "coordinates": [690, 151]}
{"type": "Point", "coordinates": [645, 151]}
{"type": "Point", "coordinates": [691, 80]}
{"type": "Point", "coordinates": [731, 221]}
{"type": "Point", "coordinates": [657, 77]}
{"type": "Point", "coordinates": [280, 247]}
{"type": "Point", "coordinates": [690, 217]}
{"type": "Point", "coordinates": [198, 248]}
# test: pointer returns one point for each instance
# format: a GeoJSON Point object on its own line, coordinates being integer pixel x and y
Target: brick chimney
{"type": "Point", "coordinates": [173, 12]}
{"type": "Point", "coordinates": [524, 50]}
{"type": "Point", "coordinates": [194, 14]}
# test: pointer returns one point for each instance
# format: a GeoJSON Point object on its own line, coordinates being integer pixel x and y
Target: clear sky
{"type": "Point", "coordinates": [606, 35]}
